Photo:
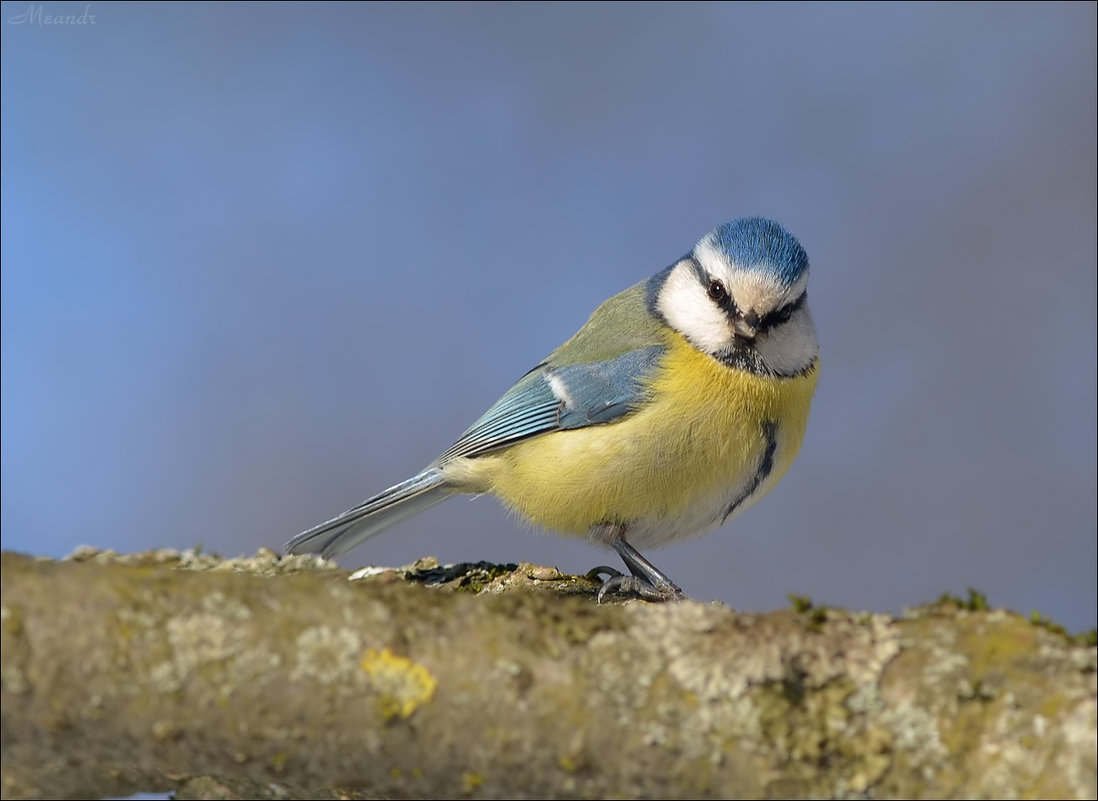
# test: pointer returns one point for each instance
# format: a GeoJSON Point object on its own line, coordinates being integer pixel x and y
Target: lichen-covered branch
{"type": "Point", "coordinates": [269, 678]}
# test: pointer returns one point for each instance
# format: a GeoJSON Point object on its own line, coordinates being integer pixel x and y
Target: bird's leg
{"type": "Point", "coordinates": [647, 582]}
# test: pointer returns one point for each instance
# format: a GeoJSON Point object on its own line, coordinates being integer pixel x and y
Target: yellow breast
{"type": "Point", "coordinates": [700, 439]}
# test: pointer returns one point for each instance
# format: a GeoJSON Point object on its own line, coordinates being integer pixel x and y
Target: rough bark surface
{"type": "Point", "coordinates": [277, 678]}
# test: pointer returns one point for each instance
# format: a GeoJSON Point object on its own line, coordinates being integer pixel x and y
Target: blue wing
{"type": "Point", "coordinates": [550, 398]}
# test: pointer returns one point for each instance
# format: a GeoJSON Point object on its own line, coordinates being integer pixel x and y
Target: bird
{"type": "Point", "coordinates": [677, 405]}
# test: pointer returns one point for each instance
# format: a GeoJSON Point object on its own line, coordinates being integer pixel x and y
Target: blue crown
{"type": "Point", "coordinates": [756, 243]}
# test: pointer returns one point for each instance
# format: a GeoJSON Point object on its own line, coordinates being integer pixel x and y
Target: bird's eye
{"type": "Point", "coordinates": [783, 315]}
{"type": "Point", "coordinates": [716, 291]}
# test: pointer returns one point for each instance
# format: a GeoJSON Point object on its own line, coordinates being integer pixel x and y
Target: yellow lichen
{"type": "Point", "coordinates": [402, 685]}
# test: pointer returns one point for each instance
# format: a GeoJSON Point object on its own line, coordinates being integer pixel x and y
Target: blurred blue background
{"type": "Point", "coordinates": [260, 261]}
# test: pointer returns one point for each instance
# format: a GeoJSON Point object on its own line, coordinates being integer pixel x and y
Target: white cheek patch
{"type": "Point", "coordinates": [685, 306]}
{"type": "Point", "coordinates": [791, 347]}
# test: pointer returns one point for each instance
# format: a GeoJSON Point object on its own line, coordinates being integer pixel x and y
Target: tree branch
{"type": "Point", "coordinates": [280, 678]}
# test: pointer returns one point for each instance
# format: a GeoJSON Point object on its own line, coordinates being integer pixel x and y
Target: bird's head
{"type": "Point", "coordinates": [739, 296]}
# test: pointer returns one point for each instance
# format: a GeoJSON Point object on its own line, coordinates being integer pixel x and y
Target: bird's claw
{"type": "Point", "coordinates": [617, 583]}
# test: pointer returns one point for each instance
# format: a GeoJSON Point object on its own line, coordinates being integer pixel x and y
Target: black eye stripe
{"type": "Point", "coordinates": [782, 315]}
{"type": "Point", "coordinates": [717, 292]}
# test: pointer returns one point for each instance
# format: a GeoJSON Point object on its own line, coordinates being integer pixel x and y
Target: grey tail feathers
{"type": "Point", "coordinates": [372, 516]}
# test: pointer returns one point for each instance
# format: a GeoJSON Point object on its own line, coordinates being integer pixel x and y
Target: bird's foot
{"type": "Point", "coordinates": [618, 583]}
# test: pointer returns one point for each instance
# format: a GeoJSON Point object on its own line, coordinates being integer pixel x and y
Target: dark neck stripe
{"type": "Point", "coordinates": [748, 360]}
{"type": "Point", "coordinates": [766, 465]}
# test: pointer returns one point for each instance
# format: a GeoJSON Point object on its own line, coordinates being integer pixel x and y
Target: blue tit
{"type": "Point", "coordinates": [679, 404]}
